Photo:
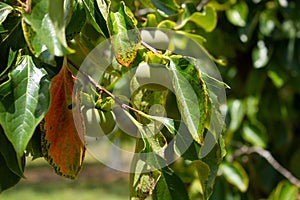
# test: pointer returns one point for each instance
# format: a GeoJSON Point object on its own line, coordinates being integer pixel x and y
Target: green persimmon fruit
{"type": "Point", "coordinates": [156, 39]}
{"type": "Point", "coordinates": [153, 76]}
{"type": "Point", "coordinates": [107, 121]}
{"type": "Point", "coordinates": [124, 122]}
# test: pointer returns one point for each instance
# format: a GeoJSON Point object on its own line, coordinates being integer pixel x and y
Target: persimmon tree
{"type": "Point", "coordinates": [67, 67]}
{"type": "Point", "coordinates": [46, 94]}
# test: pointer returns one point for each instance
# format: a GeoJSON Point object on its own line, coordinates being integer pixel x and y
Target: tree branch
{"type": "Point", "coordinates": [270, 159]}
{"type": "Point", "coordinates": [150, 48]}
{"type": "Point", "coordinates": [100, 89]}
{"type": "Point", "coordinates": [201, 4]}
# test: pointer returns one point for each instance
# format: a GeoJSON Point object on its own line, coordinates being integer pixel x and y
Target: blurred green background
{"type": "Point", "coordinates": [95, 181]}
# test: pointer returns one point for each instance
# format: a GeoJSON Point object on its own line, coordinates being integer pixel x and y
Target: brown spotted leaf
{"type": "Point", "coordinates": [125, 36]}
{"type": "Point", "coordinates": [62, 142]}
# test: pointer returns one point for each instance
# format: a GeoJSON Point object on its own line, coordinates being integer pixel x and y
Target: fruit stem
{"type": "Point", "coordinates": [100, 89]}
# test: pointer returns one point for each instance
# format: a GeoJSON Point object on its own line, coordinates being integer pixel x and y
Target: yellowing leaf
{"type": "Point", "coordinates": [125, 36]}
{"type": "Point", "coordinates": [62, 143]}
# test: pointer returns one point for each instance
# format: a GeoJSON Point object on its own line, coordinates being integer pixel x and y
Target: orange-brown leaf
{"type": "Point", "coordinates": [62, 143]}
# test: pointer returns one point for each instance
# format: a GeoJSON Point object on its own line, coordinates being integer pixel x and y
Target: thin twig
{"type": "Point", "coordinates": [100, 89]}
{"type": "Point", "coordinates": [201, 4]}
{"type": "Point", "coordinates": [26, 5]}
{"type": "Point", "coordinates": [147, 46]}
{"type": "Point", "coordinates": [270, 159]}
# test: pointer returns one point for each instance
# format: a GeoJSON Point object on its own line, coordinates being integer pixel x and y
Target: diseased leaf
{"type": "Point", "coordinates": [49, 27]}
{"type": "Point", "coordinates": [4, 11]}
{"type": "Point", "coordinates": [125, 36]}
{"type": "Point", "coordinates": [35, 45]}
{"type": "Point", "coordinates": [191, 94]}
{"type": "Point", "coordinates": [146, 161]}
{"type": "Point", "coordinates": [213, 159]}
{"type": "Point", "coordinates": [62, 143]}
{"type": "Point", "coordinates": [216, 92]}
{"type": "Point", "coordinates": [24, 102]}
{"type": "Point", "coordinates": [142, 181]}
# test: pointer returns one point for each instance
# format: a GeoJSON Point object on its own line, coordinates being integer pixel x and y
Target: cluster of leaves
{"type": "Point", "coordinates": [42, 44]}
{"type": "Point", "coordinates": [258, 39]}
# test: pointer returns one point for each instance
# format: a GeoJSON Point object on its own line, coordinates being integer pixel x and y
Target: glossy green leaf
{"type": "Point", "coordinates": [207, 19]}
{"type": "Point", "coordinates": [36, 47]}
{"type": "Point", "coordinates": [251, 104]}
{"type": "Point", "coordinates": [197, 38]}
{"type": "Point", "coordinates": [7, 177]}
{"type": "Point", "coordinates": [260, 55]}
{"type": "Point", "coordinates": [77, 19]}
{"type": "Point", "coordinates": [10, 156]}
{"type": "Point", "coordinates": [238, 14]}
{"type": "Point", "coordinates": [167, 122]}
{"type": "Point", "coordinates": [91, 14]}
{"type": "Point", "coordinates": [267, 22]}
{"type": "Point", "coordinates": [153, 147]}
{"type": "Point", "coordinates": [151, 20]}
{"type": "Point", "coordinates": [47, 21]}
{"type": "Point", "coordinates": [169, 187]}
{"type": "Point", "coordinates": [84, 43]}
{"type": "Point", "coordinates": [34, 147]}
{"type": "Point", "coordinates": [24, 102]}
{"type": "Point", "coordinates": [191, 94]}
{"type": "Point", "coordinates": [13, 34]}
{"type": "Point", "coordinates": [235, 174]}
{"type": "Point", "coordinates": [283, 191]}
{"type": "Point", "coordinates": [11, 59]}
{"type": "Point", "coordinates": [125, 43]}
{"type": "Point", "coordinates": [166, 7]}
{"type": "Point", "coordinates": [4, 11]}
{"type": "Point", "coordinates": [166, 24]}
{"type": "Point", "coordinates": [203, 172]}
{"type": "Point", "coordinates": [104, 7]}
{"type": "Point", "coordinates": [277, 80]}
{"type": "Point", "coordinates": [255, 135]}
{"type": "Point", "coordinates": [237, 111]}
